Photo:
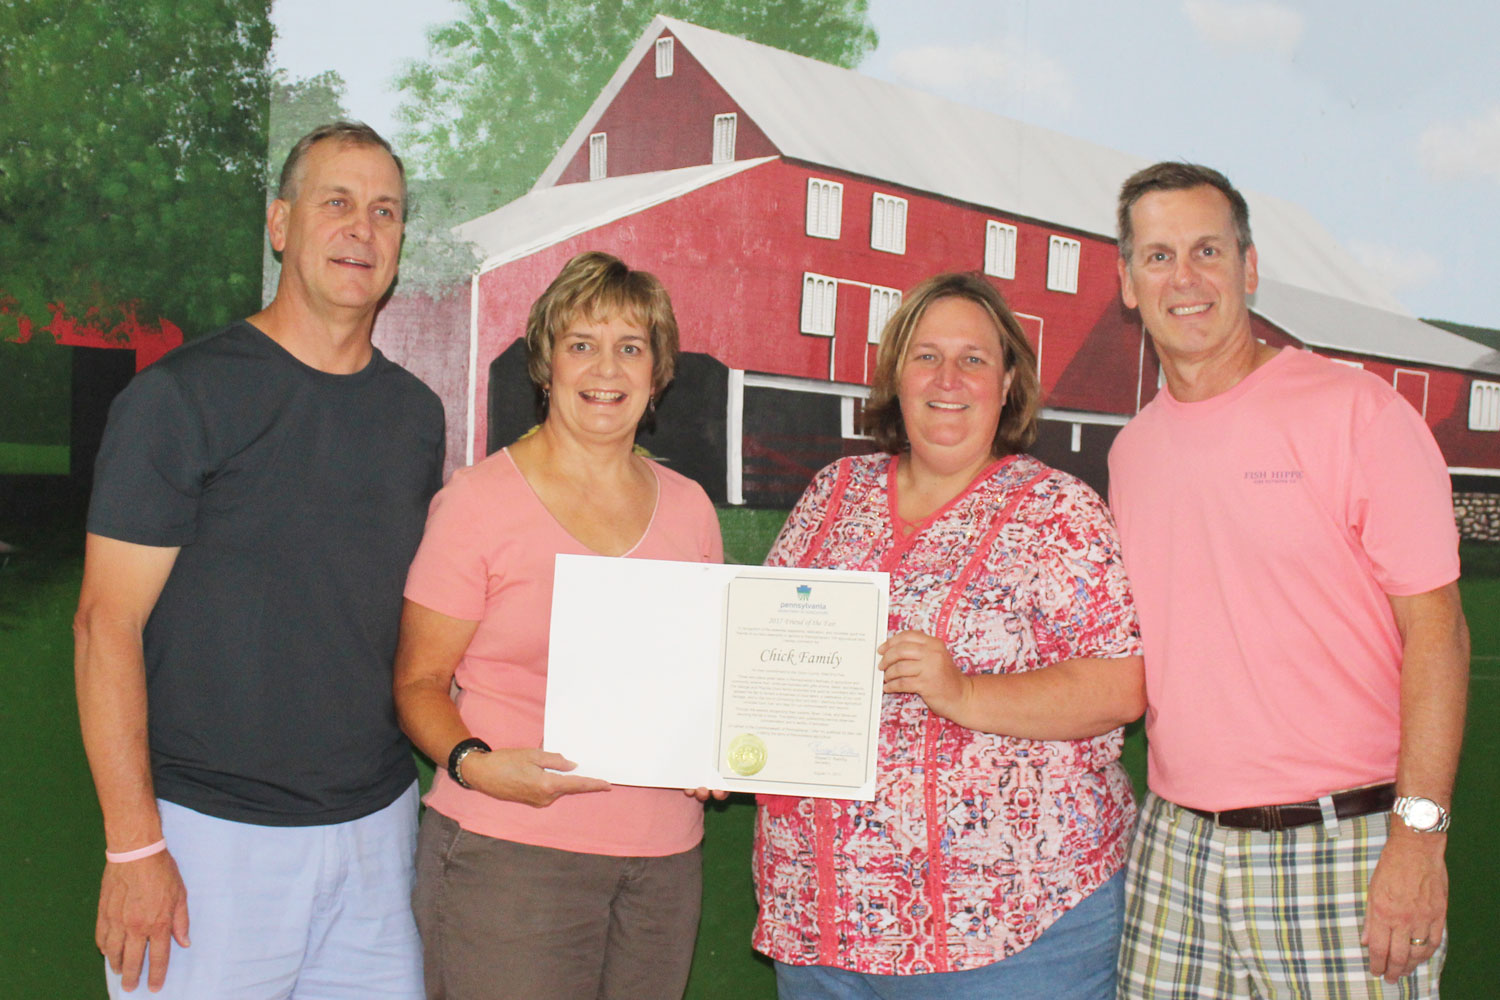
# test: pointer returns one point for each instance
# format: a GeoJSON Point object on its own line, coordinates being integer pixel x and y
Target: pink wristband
{"type": "Point", "coordinates": [137, 854]}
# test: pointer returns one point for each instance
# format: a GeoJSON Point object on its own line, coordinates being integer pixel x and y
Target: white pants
{"type": "Point", "coordinates": [293, 912]}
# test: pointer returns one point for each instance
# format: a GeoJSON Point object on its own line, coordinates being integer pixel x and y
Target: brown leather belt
{"type": "Point", "coordinates": [1347, 805]}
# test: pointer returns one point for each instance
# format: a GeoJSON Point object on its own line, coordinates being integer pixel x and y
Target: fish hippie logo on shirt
{"type": "Point", "coordinates": [1274, 477]}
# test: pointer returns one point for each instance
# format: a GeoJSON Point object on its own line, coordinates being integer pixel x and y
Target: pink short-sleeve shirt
{"type": "Point", "coordinates": [488, 556]}
{"type": "Point", "coordinates": [1263, 530]}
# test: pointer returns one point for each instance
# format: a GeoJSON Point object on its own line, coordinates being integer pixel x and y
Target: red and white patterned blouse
{"type": "Point", "coordinates": [974, 843]}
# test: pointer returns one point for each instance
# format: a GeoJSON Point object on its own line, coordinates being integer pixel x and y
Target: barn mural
{"type": "Point", "coordinates": [786, 203]}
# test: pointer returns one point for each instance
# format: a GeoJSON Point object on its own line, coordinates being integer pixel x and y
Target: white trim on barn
{"type": "Point", "coordinates": [734, 424]}
{"type": "Point", "coordinates": [734, 438]}
{"type": "Point", "coordinates": [1413, 373]}
{"type": "Point", "coordinates": [1084, 417]}
{"type": "Point", "coordinates": [472, 390]}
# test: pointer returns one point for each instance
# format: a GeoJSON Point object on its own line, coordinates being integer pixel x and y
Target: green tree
{"type": "Point", "coordinates": [132, 138]}
{"type": "Point", "coordinates": [507, 81]}
{"type": "Point", "coordinates": [297, 107]}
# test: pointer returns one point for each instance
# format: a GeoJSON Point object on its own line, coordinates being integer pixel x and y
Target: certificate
{"type": "Point", "coordinates": [682, 675]}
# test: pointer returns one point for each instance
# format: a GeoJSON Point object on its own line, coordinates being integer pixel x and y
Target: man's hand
{"type": "Point", "coordinates": [1408, 900]}
{"type": "Point", "coordinates": [141, 903]}
{"type": "Point", "coordinates": [1409, 890]}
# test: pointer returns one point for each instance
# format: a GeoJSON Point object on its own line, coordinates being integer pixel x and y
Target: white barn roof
{"type": "Point", "coordinates": [547, 216]}
{"type": "Point", "coordinates": [840, 119]}
{"type": "Point", "coordinates": [1365, 330]}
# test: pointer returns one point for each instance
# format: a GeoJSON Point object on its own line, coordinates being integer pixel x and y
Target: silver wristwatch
{"type": "Point", "coordinates": [1421, 815]}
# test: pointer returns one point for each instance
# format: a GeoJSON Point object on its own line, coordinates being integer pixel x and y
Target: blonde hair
{"type": "Point", "coordinates": [596, 285]}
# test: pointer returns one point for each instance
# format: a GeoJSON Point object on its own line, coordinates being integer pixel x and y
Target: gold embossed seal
{"type": "Point", "coordinates": [747, 754]}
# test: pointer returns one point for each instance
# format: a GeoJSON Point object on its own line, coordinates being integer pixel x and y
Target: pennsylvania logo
{"type": "Point", "coordinates": [804, 592]}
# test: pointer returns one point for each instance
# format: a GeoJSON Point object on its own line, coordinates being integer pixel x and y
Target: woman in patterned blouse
{"type": "Point", "coordinates": [989, 862]}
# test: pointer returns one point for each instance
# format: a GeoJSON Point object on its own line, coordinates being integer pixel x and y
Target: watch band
{"type": "Point", "coordinates": [1406, 806]}
{"type": "Point", "coordinates": [456, 756]}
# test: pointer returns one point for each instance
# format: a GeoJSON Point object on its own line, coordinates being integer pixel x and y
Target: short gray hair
{"type": "Point", "coordinates": [346, 133]}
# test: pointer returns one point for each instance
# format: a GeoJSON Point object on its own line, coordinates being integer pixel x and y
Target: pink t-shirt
{"type": "Point", "coordinates": [1263, 529]}
{"type": "Point", "coordinates": [487, 556]}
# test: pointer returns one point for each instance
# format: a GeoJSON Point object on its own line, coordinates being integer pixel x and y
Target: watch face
{"type": "Point", "coordinates": [1422, 814]}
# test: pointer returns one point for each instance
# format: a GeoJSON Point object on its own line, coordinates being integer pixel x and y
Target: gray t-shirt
{"type": "Point", "coordinates": [297, 498]}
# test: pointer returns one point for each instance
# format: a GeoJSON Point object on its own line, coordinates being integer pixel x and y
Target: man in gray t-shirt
{"type": "Point", "coordinates": [258, 496]}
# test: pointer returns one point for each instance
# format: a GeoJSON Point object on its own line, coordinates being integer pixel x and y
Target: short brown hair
{"type": "Point", "coordinates": [346, 133]}
{"type": "Point", "coordinates": [1172, 175]}
{"type": "Point", "coordinates": [596, 285]}
{"type": "Point", "coordinates": [1018, 416]}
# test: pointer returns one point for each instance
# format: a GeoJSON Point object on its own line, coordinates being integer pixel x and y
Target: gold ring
{"type": "Point", "coordinates": [1418, 940]}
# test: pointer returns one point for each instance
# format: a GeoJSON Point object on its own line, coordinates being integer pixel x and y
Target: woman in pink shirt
{"type": "Point", "coordinates": [533, 882]}
{"type": "Point", "coordinates": [988, 863]}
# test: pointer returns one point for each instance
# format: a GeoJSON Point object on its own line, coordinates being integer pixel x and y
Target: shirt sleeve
{"type": "Point", "coordinates": [152, 464]}
{"type": "Point", "coordinates": [1084, 607]}
{"type": "Point", "coordinates": [1401, 506]}
{"type": "Point", "coordinates": [450, 573]}
{"type": "Point", "coordinates": [804, 522]}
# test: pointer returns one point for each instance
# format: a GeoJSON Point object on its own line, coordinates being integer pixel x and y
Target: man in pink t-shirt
{"type": "Point", "coordinates": [1288, 530]}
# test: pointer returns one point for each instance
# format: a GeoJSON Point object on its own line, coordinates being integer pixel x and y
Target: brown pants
{"type": "Point", "coordinates": [500, 919]}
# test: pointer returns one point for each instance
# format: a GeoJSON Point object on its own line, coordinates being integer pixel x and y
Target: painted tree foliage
{"type": "Point", "coordinates": [298, 105]}
{"type": "Point", "coordinates": [507, 81]}
{"type": "Point", "coordinates": [132, 138]}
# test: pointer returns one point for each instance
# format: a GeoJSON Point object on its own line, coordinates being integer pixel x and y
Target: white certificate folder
{"type": "Point", "coordinates": [742, 678]}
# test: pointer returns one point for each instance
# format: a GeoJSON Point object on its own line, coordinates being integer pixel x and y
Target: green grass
{"type": "Point", "coordinates": [52, 838]}
{"type": "Point", "coordinates": [34, 459]}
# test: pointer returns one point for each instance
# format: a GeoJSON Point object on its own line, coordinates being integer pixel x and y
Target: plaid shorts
{"type": "Point", "coordinates": [1214, 912]}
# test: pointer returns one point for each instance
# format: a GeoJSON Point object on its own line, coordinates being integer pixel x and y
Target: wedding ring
{"type": "Point", "coordinates": [1418, 940]}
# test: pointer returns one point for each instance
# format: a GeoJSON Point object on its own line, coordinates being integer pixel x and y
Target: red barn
{"type": "Point", "coordinates": [786, 203]}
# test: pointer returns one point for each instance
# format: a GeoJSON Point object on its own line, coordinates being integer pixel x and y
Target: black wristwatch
{"type": "Point", "coordinates": [456, 756]}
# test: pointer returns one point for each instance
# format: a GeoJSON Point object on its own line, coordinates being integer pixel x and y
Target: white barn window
{"type": "Point", "coordinates": [598, 156]}
{"type": "Point", "coordinates": [825, 208]}
{"type": "Point", "coordinates": [883, 302]}
{"type": "Point", "coordinates": [888, 223]}
{"type": "Point", "coordinates": [820, 302]}
{"type": "Point", "coordinates": [724, 129]}
{"type": "Point", "coordinates": [1062, 264]}
{"type": "Point", "coordinates": [999, 249]}
{"type": "Point", "coordinates": [663, 57]}
{"type": "Point", "coordinates": [1484, 406]}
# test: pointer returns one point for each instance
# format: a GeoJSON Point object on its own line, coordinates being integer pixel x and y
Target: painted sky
{"type": "Point", "coordinates": [1381, 119]}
